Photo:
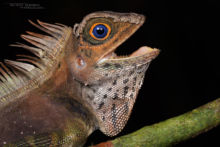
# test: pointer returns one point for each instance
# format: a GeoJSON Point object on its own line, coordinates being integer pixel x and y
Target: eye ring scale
{"type": "Point", "coordinates": [100, 31]}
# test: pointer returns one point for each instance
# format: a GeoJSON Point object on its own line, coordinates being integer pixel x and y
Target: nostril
{"type": "Point", "coordinates": [80, 62]}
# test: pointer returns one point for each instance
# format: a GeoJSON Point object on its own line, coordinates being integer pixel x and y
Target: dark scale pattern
{"type": "Point", "coordinates": [133, 89]}
{"type": "Point", "coordinates": [131, 73]}
{"type": "Point", "coordinates": [118, 66]}
{"type": "Point", "coordinates": [107, 65]}
{"type": "Point", "coordinates": [125, 85]}
{"type": "Point", "coordinates": [131, 96]}
{"type": "Point", "coordinates": [114, 116]}
{"type": "Point", "coordinates": [126, 108]}
{"type": "Point", "coordinates": [105, 96]}
{"type": "Point", "coordinates": [114, 82]}
{"type": "Point", "coordinates": [115, 95]}
{"type": "Point", "coordinates": [134, 81]}
{"type": "Point", "coordinates": [125, 81]}
{"type": "Point", "coordinates": [125, 90]}
{"type": "Point", "coordinates": [101, 105]}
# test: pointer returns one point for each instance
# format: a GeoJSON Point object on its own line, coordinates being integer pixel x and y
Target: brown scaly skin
{"type": "Point", "coordinates": [85, 85]}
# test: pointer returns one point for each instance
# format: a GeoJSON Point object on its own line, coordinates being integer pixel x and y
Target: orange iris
{"type": "Point", "coordinates": [100, 31]}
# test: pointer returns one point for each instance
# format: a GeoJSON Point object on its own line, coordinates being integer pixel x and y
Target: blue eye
{"type": "Point", "coordinates": [100, 31]}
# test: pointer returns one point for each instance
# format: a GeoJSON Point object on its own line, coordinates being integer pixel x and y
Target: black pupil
{"type": "Point", "coordinates": [100, 30]}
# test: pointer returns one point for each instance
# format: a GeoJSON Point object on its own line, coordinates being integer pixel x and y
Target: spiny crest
{"type": "Point", "coordinates": [19, 77]}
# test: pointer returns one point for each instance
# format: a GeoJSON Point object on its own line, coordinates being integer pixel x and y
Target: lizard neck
{"type": "Point", "coordinates": [63, 88]}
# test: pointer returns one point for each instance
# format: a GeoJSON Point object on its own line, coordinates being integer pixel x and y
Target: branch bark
{"type": "Point", "coordinates": [173, 130]}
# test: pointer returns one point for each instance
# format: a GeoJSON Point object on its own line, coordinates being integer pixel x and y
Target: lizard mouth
{"type": "Point", "coordinates": [142, 55]}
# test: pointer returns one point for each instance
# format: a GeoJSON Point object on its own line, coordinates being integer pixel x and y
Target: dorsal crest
{"type": "Point", "coordinates": [28, 72]}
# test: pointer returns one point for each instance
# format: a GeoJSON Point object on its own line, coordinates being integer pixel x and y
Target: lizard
{"type": "Point", "coordinates": [74, 83]}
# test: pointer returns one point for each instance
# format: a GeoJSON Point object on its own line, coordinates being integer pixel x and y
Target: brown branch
{"type": "Point", "coordinates": [173, 130]}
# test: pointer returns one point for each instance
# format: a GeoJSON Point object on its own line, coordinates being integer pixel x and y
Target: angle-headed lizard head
{"type": "Point", "coordinates": [111, 82]}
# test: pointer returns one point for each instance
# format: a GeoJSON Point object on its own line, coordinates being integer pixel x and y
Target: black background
{"type": "Point", "coordinates": [184, 76]}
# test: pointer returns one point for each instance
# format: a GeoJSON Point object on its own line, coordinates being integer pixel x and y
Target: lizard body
{"type": "Point", "coordinates": [74, 83]}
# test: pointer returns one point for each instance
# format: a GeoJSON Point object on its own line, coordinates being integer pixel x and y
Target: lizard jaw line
{"type": "Point", "coordinates": [142, 51]}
